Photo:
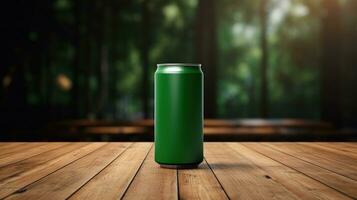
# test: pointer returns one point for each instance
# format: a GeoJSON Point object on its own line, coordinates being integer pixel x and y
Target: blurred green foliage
{"type": "Point", "coordinates": [74, 41]}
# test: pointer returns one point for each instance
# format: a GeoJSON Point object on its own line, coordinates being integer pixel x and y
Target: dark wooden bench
{"type": "Point", "coordinates": [214, 130]}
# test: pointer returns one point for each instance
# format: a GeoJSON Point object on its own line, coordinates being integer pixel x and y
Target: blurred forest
{"type": "Point", "coordinates": [76, 59]}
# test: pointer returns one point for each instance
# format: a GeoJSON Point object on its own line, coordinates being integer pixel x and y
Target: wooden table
{"type": "Point", "coordinates": [127, 170]}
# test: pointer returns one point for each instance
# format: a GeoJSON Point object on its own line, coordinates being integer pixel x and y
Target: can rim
{"type": "Point", "coordinates": [179, 64]}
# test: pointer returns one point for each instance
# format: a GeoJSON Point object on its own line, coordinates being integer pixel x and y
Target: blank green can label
{"type": "Point", "coordinates": [178, 114]}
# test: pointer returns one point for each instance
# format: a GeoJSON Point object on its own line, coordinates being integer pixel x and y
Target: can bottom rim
{"type": "Point", "coordinates": [189, 166]}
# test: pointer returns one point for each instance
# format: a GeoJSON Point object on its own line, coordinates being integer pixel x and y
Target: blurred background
{"type": "Point", "coordinates": [275, 70]}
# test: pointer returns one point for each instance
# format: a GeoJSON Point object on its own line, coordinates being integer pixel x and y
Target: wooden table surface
{"type": "Point", "coordinates": [127, 170]}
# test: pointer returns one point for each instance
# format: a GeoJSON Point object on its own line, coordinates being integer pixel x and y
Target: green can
{"type": "Point", "coordinates": [178, 115]}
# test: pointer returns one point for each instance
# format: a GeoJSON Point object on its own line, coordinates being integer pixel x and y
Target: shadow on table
{"type": "Point", "coordinates": [224, 166]}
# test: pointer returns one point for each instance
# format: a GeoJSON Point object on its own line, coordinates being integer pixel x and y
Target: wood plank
{"type": "Point", "coordinates": [335, 148]}
{"type": "Point", "coordinates": [9, 145]}
{"type": "Point", "coordinates": [62, 183]}
{"type": "Point", "coordinates": [301, 185]}
{"type": "Point", "coordinates": [153, 182]}
{"type": "Point", "coordinates": [350, 144]}
{"type": "Point", "coordinates": [26, 153]}
{"type": "Point", "coordinates": [349, 147]}
{"type": "Point", "coordinates": [241, 178]}
{"type": "Point", "coordinates": [199, 183]}
{"type": "Point", "coordinates": [15, 169]}
{"type": "Point", "coordinates": [341, 183]}
{"type": "Point", "coordinates": [26, 177]}
{"type": "Point", "coordinates": [12, 148]}
{"type": "Point", "coordinates": [112, 182]}
{"type": "Point", "coordinates": [334, 154]}
{"type": "Point", "coordinates": [322, 159]}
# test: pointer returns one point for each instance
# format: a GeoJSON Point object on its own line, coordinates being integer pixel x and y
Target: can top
{"type": "Point", "coordinates": [179, 64]}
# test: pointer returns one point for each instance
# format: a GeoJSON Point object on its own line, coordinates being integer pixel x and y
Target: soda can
{"type": "Point", "coordinates": [178, 115]}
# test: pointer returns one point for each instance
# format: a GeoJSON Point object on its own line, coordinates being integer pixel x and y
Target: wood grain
{"type": "Point", "coordinates": [332, 162]}
{"type": "Point", "coordinates": [335, 148]}
{"type": "Point", "coordinates": [5, 147]}
{"type": "Point", "coordinates": [26, 176]}
{"type": "Point", "coordinates": [240, 177]}
{"type": "Point", "coordinates": [116, 177]}
{"type": "Point", "coordinates": [153, 182]}
{"type": "Point", "coordinates": [199, 183]}
{"type": "Point", "coordinates": [10, 149]}
{"type": "Point", "coordinates": [341, 183]}
{"type": "Point", "coordinates": [301, 185]}
{"type": "Point", "coordinates": [352, 145]}
{"type": "Point", "coordinates": [128, 171]}
{"type": "Point", "coordinates": [340, 146]}
{"type": "Point", "coordinates": [62, 183]}
{"type": "Point", "coordinates": [344, 158]}
{"type": "Point", "coordinates": [15, 169]}
{"type": "Point", "coordinates": [21, 154]}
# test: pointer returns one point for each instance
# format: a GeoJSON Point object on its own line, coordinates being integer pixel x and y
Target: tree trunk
{"type": "Point", "coordinates": [76, 61]}
{"type": "Point", "coordinates": [103, 92]}
{"type": "Point", "coordinates": [264, 103]}
{"type": "Point", "coordinates": [114, 55]}
{"type": "Point", "coordinates": [145, 57]}
{"type": "Point", "coordinates": [86, 37]}
{"type": "Point", "coordinates": [206, 53]}
{"type": "Point", "coordinates": [100, 62]}
{"type": "Point", "coordinates": [330, 74]}
{"type": "Point", "coordinates": [349, 65]}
